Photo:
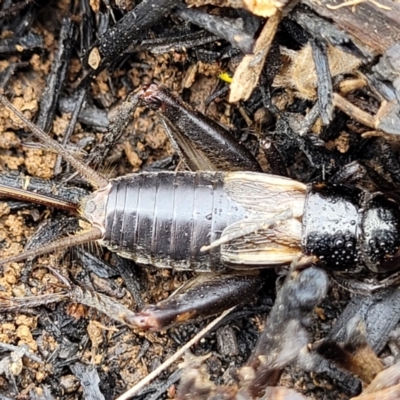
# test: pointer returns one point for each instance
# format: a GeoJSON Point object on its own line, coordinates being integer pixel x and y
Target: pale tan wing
{"type": "Point", "coordinates": [266, 195]}
{"type": "Point", "coordinates": [279, 244]}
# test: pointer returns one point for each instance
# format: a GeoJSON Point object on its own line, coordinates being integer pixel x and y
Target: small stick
{"type": "Point", "coordinates": [132, 391]}
{"type": "Point", "coordinates": [27, 353]}
{"type": "Point", "coordinates": [225, 28]}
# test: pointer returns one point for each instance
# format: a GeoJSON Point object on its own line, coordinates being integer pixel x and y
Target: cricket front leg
{"type": "Point", "coordinates": [205, 295]}
{"type": "Point", "coordinates": [286, 332]}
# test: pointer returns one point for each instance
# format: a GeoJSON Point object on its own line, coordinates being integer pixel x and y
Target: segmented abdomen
{"type": "Point", "coordinates": [165, 218]}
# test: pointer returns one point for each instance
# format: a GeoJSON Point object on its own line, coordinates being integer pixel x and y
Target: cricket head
{"type": "Point", "coordinates": [93, 208]}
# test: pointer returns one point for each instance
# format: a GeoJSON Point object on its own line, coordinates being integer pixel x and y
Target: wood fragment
{"type": "Point", "coordinates": [248, 72]}
{"type": "Point", "coordinates": [375, 25]}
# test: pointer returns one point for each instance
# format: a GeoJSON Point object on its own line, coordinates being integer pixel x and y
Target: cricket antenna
{"type": "Point", "coordinates": [89, 174]}
{"type": "Point", "coordinates": [38, 198]}
{"type": "Point", "coordinates": [90, 236]}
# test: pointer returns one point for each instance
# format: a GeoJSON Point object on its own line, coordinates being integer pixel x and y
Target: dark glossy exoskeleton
{"type": "Point", "coordinates": [345, 227]}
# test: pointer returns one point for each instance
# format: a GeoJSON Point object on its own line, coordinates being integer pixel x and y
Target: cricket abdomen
{"type": "Point", "coordinates": [165, 218]}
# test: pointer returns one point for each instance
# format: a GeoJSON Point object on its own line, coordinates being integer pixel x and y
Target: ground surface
{"type": "Point", "coordinates": [65, 334]}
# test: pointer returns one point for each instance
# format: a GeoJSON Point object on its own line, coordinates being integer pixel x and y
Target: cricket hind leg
{"type": "Point", "coordinates": [289, 318]}
{"type": "Point", "coordinates": [205, 295]}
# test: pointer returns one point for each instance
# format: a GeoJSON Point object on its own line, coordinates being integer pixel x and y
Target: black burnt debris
{"type": "Point", "coordinates": [310, 88]}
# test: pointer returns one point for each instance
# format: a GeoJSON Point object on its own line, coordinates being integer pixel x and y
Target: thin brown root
{"type": "Point", "coordinates": [352, 3]}
{"type": "Point", "coordinates": [354, 112]}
